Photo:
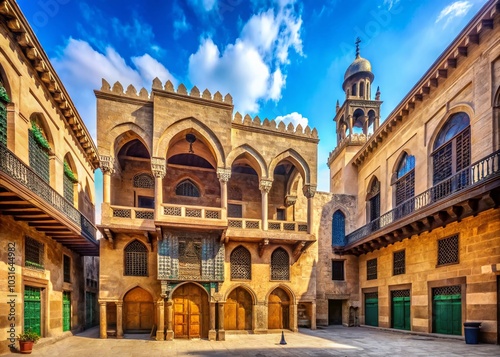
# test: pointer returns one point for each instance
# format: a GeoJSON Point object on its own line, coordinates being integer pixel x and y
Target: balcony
{"type": "Point", "coordinates": [192, 216]}
{"type": "Point", "coordinates": [27, 197]}
{"type": "Point", "coordinates": [468, 192]}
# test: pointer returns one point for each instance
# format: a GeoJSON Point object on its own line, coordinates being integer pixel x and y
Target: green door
{"type": "Point", "coordinates": [371, 309]}
{"type": "Point", "coordinates": [401, 309]}
{"type": "Point", "coordinates": [32, 309]}
{"type": "Point", "coordinates": [447, 311]}
{"type": "Point", "coordinates": [66, 311]}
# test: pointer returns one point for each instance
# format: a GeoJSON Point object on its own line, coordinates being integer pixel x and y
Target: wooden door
{"type": "Point", "coordinates": [334, 312]}
{"type": "Point", "coordinates": [138, 310]}
{"type": "Point", "coordinates": [238, 310]}
{"type": "Point", "coordinates": [32, 310]}
{"type": "Point", "coordinates": [371, 309]}
{"type": "Point", "coordinates": [190, 312]}
{"type": "Point", "coordinates": [278, 310]}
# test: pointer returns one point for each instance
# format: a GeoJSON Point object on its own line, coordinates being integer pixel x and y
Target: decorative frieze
{"type": "Point", "coordinates": [265, 185]}
{"type": "Point", "coordinates": [158, 167]}
{"type": "Point", "coordinates": [223, 174]}
{"type": "Point", "coordinates": [107, 164]}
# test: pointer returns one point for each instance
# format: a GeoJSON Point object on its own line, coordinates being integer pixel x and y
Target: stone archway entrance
{"type": "Point", "coordinates": [278, 310]}
{"type": "Point", "coordinates": [190, 312]}
{"type": "Point", "coordinates": [138, 311]}
{"type": "Point", "coordinates": [238, 310]}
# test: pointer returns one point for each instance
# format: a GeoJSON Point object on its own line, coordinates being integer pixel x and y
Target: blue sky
{"type": "Point", "coordinates": [280, 59]}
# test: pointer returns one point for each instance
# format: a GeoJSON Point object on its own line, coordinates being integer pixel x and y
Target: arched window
{"type": "Point", "coordinates": [69, 180]}
{"type": "Point", "coordinates": [338, 229]}
{"type": "Point", "coordinates": [144, 181]}
{"type": "Point", "coordinates": [136, 259]}
{"type": "Point", "coordinates": [241, 264]}
{"type": "Point", "coordinates": [280, 265]}
{"type": "Point", "coordinates": [373, 200]}
{"type": "Point", "coordinates": [354, 89]}
{"type": "Point", "coordinates": [361, 89]}
{"type": "Point", "coordinates": [451, 148]}
{"type": "Point", "coordinates": [187, 188]}
{"type": "Point", "coordinates": [39, 148]}
{"type": "Point", "coordinates": [405, 179]}
{"type": "Point", "coordinates": [4, 99]}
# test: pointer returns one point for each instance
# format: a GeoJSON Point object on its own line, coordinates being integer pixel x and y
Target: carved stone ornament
{"type": "Point", "coordinates": [309, 190]}
{"type": "Point", "coordinates": [158, 167]}
{"type": "Point", "coordinates": [107, 164]}
{"type": "Point", "coordinates": [223, 174]}
{"type": "Point", "coordinates": [265, 185]}
{"type": "Point", "coordinates": [290, 200]}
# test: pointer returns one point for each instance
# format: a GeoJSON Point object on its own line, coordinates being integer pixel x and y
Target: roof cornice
{"type": "Point", "coordinates": [435, 76]}
{"type": "Point", "coordinates": [22, 33]}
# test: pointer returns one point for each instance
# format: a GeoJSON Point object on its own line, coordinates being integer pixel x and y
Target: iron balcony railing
{"type": "Point", "coordinates": [472, 175]}
{"type": "Point", "coordinates": [11, 165]}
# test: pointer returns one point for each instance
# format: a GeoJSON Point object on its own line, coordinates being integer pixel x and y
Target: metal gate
{"type": "Point", "coordinates": [371, 309]}
{"type": "Point", "coordinates": [32, 309]}
{"type": "Point", "coordinates": [401, 309]}
{"type": "Point", "coordinates": [447, 310]}
{"type": "Point", "coordinates": [66, 311]}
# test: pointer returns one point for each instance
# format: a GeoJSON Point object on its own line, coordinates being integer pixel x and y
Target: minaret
{"type": "Point", "coordinates": [356, 119]}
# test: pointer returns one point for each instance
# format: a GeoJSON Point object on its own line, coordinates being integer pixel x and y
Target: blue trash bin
{"type": "Point", "coordinates": [471, 331]}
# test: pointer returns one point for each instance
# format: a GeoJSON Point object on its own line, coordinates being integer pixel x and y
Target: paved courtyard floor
{"type": "Point", "coordinates": [331, 341]}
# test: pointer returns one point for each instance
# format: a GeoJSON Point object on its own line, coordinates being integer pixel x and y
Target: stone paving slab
{"type": "Point", "coordinates": [331, 341]}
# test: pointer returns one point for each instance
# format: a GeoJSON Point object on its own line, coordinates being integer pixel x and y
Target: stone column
{"type": "Point", "coordinates": [159, 169]}
{"type": "Point", "coordinates": [221, 334]}
{"type": "Point", "coordinates": [119, 319]}
{"type": "Point", "coordinates": [313, 316]}
{"type": "Point", "coordinates": [107, 167]}
{"type": "Point", "coordinates": [212, 333]}
{"type": "Point", "coordinates": [265, 187]}
{"type": "Point", "coordinates": [170, 323]}
{"type": "Point", "coordinates": [290, 207]}
{"type": "Point", "coordinates": [309, 191]}
{"type": "Point", "coordinates": [102, 320]}
{"type": "Point", "coordinates": [350, 124]}
{"type": "Point", "coordinates": [223, 175]}
{"type": "Point", "coordinates": [294, 326]}
{"type": "Point", "coordinates": [376, 124]}
{"type": "Point", "coordinates": [160, 331]}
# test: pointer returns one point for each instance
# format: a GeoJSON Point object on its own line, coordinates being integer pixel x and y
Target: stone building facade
{"type": "Point", "coordinates": [47, 163]}
{"type": "Point", "coordinates": [206, 217]}
{"type": "Point", "coordinates": [416, 197]}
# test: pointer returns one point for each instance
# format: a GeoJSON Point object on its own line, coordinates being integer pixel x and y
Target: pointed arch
{"type": "Point", "coordinates": [88, 190]}
{"type": "Point", "coordinates": [240, 262]}
{"type": "Point", "coordinates": [297, 160]}
{"type": "Point", "coordinates": [338, 228]}
{"type": "Point", "coordinates": [200, 130]}
{"type": "Point", "coordinates": [39, 119]}
{"type": "Point", "coordinates": [280, 264]}
{"type": "Point", "coordinates": [245, 287]}
{"type": "Point", "coordinates": [291, 295]}
{"type": "Point", "coordinates": [254, 156]}
{"type": "Point", "coordinates": [136, 259]}
{"type": "Point", "coordinates": [70, 177]}
{"type": "Point", "coordinates": [170, 296]}
{"type": "Point", "coordinates": [187, 188]}
{"type": "Point", "coordinates": [122, 133]}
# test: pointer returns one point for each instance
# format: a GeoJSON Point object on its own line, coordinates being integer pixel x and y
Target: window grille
{"type": "Point", "coordinates": [447, 290]}
{"type": "Point", "coordinates": [39, 158]}
{"type": "Point", "coordinates": [451, 148]}
{"type": "Point", "coordinates": [338, 229]}
{"type": "Point", "coordinates": [399, 262]}
{"type": "Point", "coordinates": [338, 270]}
{"type": "Point", "coordinates": [234, 211]}
{"type": "Point", "coordinates": [371, 269]}
{"type": "Point", "coordinates": [68, 188]}
{"type": "Point", "coordinates": [67, 269]}
{"type": "Point", "coordinates": [234, 193]}
{"type": "Point", "coordinates": [3, 116]}
{"type": "Point", "coordinates": [405, 184]}
{"type": "Point", "coordinates": [136, 259]}
{"type": "Point", "coordinates": [33, 253]}
{"type": "Point", "coordinates": [187, 188]}
{"type": "Point", "coordinates": [448, 250]}
{"type": "Point", "coordinates": [400, 293]}
{"type": "Point", "coordinates": [144, 181]}
{"type": "Point", "coordinates": [280, 265]}
{"type": "Point", "coordinates": [241, 264]}
{"type": "Point", "coordinates": [371, 295]}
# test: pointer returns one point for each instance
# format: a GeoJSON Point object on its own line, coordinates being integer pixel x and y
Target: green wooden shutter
{"type": "Point", "coordinates": [401, 312]}
{"type": "Point", "coordinates": [66, 311]}
{"type": "Point", "coordinates": [32, 309]}
{"type": "Point", "coordinates": [447, 311]}
{"type": "Point", "coordinates": [371, 309]}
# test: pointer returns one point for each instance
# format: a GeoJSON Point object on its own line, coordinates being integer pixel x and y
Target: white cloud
{"type": "Point", "coordinates": [252, 68]}
{"type": "Point", "coordinates": [294, 118]}
{"type": "Point", "coordinates": [454, 10]}
{"type": "Point", "coordinates": [390, 3]}
{"type": "Point", "coordinates": [207, 5]}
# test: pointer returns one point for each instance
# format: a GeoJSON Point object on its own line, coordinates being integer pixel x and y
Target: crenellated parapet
{"type": "Point", "coordinates": [143, 94]}
{"type": "Point", "coordinates": [350, 140]}
{"type": "Point", "coordinates": [272, 125]}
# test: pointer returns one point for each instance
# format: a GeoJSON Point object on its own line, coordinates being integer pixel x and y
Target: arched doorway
{"type": "Point", "coordinates": [190, 312]}
{"type": "Point", "coordinates": [278, 310]}
{"type": "Point", "coordinates": [238, 310]}
{"type": "Point", "coordinates": [138, 310]}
